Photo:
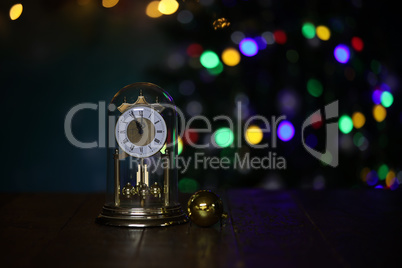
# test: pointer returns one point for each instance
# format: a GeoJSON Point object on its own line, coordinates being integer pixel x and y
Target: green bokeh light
{"type": "Point", "coordinates": [375, 66]}
{"type": "Point", "coordinates": [217, 70]}
{"type": "Point", "coordinates": [383, 171]}
{"type": "Point", "coordinates": [308, 30]}
{"type": "Point", "coordinates": [292, 55]}
{"type": "Point", "coordinates": [345, 124]}
{"type": "Point", "coordinates": [387, 99]}
{"type": "Point", "coordinates": [209, 59]}
{"type": "Point", "coordinates": [188, 185]}
{"type": "Point", "coordinates": [314, 87]}
{"type": "Point", "coordinates": [358, 139]}
{"type": "Point", "coordinates": [224, 137]}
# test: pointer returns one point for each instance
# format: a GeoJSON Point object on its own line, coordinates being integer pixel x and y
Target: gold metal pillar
{"type": "Point", "coordinates": [166, 178]}
{"type": "Point", "coordinates": [116, 178]}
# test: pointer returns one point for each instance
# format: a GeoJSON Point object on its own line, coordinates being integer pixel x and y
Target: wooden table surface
{"type": "Point", "coordinates": [334, 228]}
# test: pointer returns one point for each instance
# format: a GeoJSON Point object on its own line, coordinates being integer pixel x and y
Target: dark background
{"type": "Point", "coordinates": [62, 53]}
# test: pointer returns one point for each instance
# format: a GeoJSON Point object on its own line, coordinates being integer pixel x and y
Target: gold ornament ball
{"type": "Point", "coordinates": [205, 208]}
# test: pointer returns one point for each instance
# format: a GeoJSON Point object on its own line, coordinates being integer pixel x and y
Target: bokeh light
{"type": "Point", "coordinates": [376, 96]}
{"type": "Point", "coordinates": [209, 59]}
{"type": "Point", "coordinates": [231, 56]}
{"type": "Point", "coordinates": [216, 70]}
{"type": "Point", "coordinates": [289, 102]}
{"type": "Point", "coordinates": [224, 137]}
{"type": "Point", "coordinates": [387, 99]}
{"type": "Point", "coordinates": [311, 140]}
{"type": "Point", "coordinates": [390, 178]}
{"type": "Point", "coordinates": [383, 171]}
{"type": "Point", "coordinates": [285, 131]}
{"type": "Point", "coordinates": [280, 37]}
{"type": "Point", "coordinates": [314, 87]}
{"type": "Point", "coordinates": [152, 10]}
{"type": "Point", "coordinates": [358, 119]}
{"type": "Point", "coordinates": [379, 113]}
{"type": "Point", "coordinates": [179, 145]}
{"type": "Point", "coordinates": [15, 11]}
{"type": "Point", "coordinates": [316, 121]}
{"type": "Point", "coordinates": [254, 134]}
{"type": "Point", "coordinates": [194, 50]}
{"type": "Point", "coordinates": [357, 43]}
{"type": "Point", "coordinates": [375, 66]}
{"type": "Point", "coordinates": [185, 16]}
{"type": "Point", "coordinates": [342, 53]}
{"type": "Point", "coordinates": [363, 173]}
{"type": "Point", "coordinates": [188, 185]}
{"type": "Point", "coordinates": [345, 124]}
{"type": "Point", "coordinates": [248, 47]}
{"type": "Point", "coordinates": [308, 30]}
{"type": "Point", "coordinates": [358, 139]}
{"type": "Point", "coordinates": [323, 32]}
{"type": "Point", "coordinates": [261, 43]}
{"type": "Point", "coordinates": [292, 55]}
{"type": "Point", "coordinates": [109, 3]}
{"type": "Point", "coordinates": [168, 7]}
{"type": "Point", "coordinates": [268, 37]}
{"type": "Point", "coordinates": [190, 136]}
{"type": "Point", "coordinates": [194, 108]}
{"type": "Point", "coordinates": [372, 178]}
{"type": "Point", "coordinates": [237, 37]}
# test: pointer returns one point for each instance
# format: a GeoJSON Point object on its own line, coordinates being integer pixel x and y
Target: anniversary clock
{"type": "Point", "coordinates": [141, 159]}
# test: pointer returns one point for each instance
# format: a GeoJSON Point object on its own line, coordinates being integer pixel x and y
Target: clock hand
{"type": "Point", "coordinates": [139, 127]}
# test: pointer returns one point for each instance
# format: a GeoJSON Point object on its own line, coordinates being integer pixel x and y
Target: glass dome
{"type": "Point", "coordinates": [141, 159]}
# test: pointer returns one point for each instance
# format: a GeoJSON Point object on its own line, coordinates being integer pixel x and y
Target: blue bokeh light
{"type": "Point", "coordinates": [248, 47]}
{"type": "Point", "coordinates": [285, 131]}
{"type": "Point", "coordinates": [342, 53]}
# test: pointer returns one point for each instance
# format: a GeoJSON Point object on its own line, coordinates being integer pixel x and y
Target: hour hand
{"type": "Point", "coordinates": [139, 127]}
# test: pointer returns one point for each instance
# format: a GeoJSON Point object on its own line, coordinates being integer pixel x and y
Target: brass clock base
{"type": "Point", "coordinates": [142, 217]}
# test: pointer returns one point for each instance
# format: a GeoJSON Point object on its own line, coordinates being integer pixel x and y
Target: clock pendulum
{"type": "Point", "coordinates": [140, 191]}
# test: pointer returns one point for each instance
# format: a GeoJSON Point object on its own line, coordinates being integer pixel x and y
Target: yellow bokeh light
{"type": "Point", "coordinates": [390, 179]}
{"type": "Point", "coordinates": [231, 56]}
{"type": "Point", "coordinates": [152, 9]}
{"type": "Point", "coordinates": [109, 3]}
{"type": "Point", "coordinates": [254, 134]}
{"type": "Point", "coordinates": [15, 11]}
{"type": "Point", "coordinates": [364, 172]}
{"type": "Point", "coordinates": [358, 119]}
{"type": "Point", "coordinates": [168, 7]}
{"type": "Point", "coordinates": [379, 113]}
{"type": "Point", "coordinates": [323, 32]}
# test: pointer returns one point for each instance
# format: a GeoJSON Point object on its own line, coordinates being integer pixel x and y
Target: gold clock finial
{"type": "Point", "coordinates": [125, 99]}
{"type": "Point", "coordinates": [140, 92]}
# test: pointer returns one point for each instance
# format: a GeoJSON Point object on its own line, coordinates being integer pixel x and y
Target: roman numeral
{"type": "Point", "coordinates": [159, 131]}
{"type": "Point", "coordinates": [157, 122]}
{"type": "Point", "coordinates": [131, 113]}
{"type": "Point", "coordinates": [141, 149]}
{"type": "Point", "coordinates": [141, 113]}
{"type": "Point", "coordinates": [125, 140]}
{"type": "Point", "coordinates": [157, 141]}
{"type": "Point", "coordinates": [150, 148]}
{"type": "Point", "coordinates": [132, 147]}
{"type": "Point", "coordinates": [122, 131]}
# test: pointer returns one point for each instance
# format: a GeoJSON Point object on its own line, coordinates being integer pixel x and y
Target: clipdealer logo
{"type": "Point", "coordinates": [329, 157]}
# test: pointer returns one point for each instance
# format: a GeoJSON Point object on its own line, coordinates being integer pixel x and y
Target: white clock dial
{"type": "Point", "coordinates": [141, 131]}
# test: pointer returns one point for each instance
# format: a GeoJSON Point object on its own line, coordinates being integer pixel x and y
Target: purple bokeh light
{"type": "Point", "coordinates": [376, 97]}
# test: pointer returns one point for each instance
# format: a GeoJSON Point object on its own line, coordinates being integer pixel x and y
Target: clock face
{"type": "Point", "coordinates": [141, 131]}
